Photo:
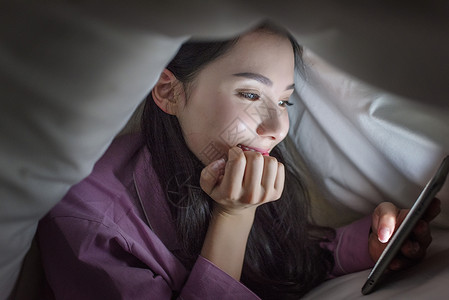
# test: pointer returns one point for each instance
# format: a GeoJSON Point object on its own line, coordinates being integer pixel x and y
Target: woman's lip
{"type": "Point", "coordinates": [264, 152]}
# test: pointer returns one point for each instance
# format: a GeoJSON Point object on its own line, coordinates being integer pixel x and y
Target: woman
{"type": "Point", "coordinates": [200, 204]}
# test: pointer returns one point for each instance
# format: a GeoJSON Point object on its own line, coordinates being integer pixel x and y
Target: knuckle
{"type": "Point", "coordinates": [252, 156]}
{"type": "Point", "coordinates": [281, 166]}
{"type": "Point", "coordinates": [235, 154]}
{"type": "Point", "coordinates": [236, 162]}
{"type": "Point", "coordinates": [270, 159]}
{"type": "Point", "coordinates": [241, 158]}
{"type": "Point", "coordinates": [235, 151]}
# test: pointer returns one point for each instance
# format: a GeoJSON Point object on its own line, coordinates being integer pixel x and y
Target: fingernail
{"type": "Point", "coordinates": [384, 234]}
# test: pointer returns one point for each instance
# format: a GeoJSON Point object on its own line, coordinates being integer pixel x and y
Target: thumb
{"type": "Point", "coordinates": [384, 222]}
{"type": "Point", "coordinates": [211, 175]}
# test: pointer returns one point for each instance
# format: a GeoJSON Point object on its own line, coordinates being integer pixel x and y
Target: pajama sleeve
{"type": "Point", "coordinates": [87, 259]}
{"type": "Point", "coordinates": [350, 248]}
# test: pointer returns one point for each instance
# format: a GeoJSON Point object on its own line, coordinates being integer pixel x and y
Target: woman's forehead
{"type": "Point", "coordinates": [258, 53]}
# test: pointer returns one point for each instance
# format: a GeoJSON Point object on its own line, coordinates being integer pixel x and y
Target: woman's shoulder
{"type": "Point", "coordinates": [108, 191]}
{"type": "Point", "coordinates": [119, 156]}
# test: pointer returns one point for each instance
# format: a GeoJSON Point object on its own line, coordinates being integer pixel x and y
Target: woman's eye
{"type": "Point", "coordinates": [250, 96]}
{"type": "Point", "coordinates": [285, 103]}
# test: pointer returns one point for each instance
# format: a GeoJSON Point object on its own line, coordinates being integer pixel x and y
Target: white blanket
{"type": "Point", "coordinates": [71, 74]}
{"type": "Point", "coordinates": [366, 145]}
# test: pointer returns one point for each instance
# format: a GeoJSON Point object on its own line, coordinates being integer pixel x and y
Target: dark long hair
{"type": "Point", "coordinates": [283, 257]}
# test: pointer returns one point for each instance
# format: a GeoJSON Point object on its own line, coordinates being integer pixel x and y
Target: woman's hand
{"type": "Point", "coordinates": [247, 180]}
{"type": "Point", "coordinates": [386, 219]}
{"type": "Point", "coordinates": [238, 187]}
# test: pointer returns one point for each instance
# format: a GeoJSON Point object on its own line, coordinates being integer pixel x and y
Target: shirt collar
{"type": "Point", "coordinates": [153, 201]}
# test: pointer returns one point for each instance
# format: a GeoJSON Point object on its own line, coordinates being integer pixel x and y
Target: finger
{"type": "Point", "coordinates": [422, 234]}
{"type": "Point", "coordinates": [234, 171]}
{"type": "Point", "coordinates": [211, 174]}
{"type": "Point", "coordinates": [375, 247]}
{"type": "Point", "coordinates": [412, 250]}
{"type": "Point", "coordinates": [433, 210]}
{"type": "Point", "coordinates": [400, 263]}
{"type": "Point", "coordinates": [280, 179]}
{"type": "Point", "coordinates": [253, 176]}
{"type": "Point", "coordinates": [270, 170]}
{"type": "Point", "coordinates": [416, 246]}
{"type": "Point", "coordinates": [384, 222]}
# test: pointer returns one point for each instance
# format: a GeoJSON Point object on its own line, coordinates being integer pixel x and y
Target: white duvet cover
{"type": "Point", "coordinates": [71, 75]}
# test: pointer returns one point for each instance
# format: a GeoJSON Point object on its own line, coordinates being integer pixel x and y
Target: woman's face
{"type": "Point", "coordinates": [239, 99]}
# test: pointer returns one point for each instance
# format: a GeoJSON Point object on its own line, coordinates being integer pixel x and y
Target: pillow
{"type": "Point", "coordinates": [61, 106]}
{"type": "Point", "coordinates": [71, 75]}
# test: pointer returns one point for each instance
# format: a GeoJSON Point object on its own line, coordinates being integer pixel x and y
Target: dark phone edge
{"type": "Point", "coordinates": [428, 193]}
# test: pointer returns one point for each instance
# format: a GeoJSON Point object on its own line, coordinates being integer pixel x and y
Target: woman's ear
{"type": "Point", "coordinates": [164, 92]}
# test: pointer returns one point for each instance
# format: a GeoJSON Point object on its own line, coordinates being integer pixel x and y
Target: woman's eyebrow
{"type": "Point", "coordinates": [262, 79]}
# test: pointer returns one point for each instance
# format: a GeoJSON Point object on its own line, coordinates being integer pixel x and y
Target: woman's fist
{"type": "Point", "coordinates": [247, 179]}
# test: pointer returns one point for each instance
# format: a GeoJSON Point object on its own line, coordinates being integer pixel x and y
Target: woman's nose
{"type": "Point", "coordinates": [274, 126]}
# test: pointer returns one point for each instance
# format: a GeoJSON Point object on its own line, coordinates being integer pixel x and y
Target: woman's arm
{"type": "Point", "coordinates": [238, 187]}
{"type": "Point", "coordinates": [226, 238]}
{"type": "Point", "coordinates": [88, 259]}
{"type": "Point", "coordinates": [359, 245]}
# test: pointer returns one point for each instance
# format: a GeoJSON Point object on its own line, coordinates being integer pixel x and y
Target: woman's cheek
{"type": "Point", "coordinates": [237, 131]}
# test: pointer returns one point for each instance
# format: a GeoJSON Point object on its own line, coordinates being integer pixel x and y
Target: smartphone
{"type": "Point", "coordinates": [406, 227]}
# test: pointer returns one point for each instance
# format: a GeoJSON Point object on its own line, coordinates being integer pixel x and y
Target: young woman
{"type": "Point", "coordinates": [201, 203]}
